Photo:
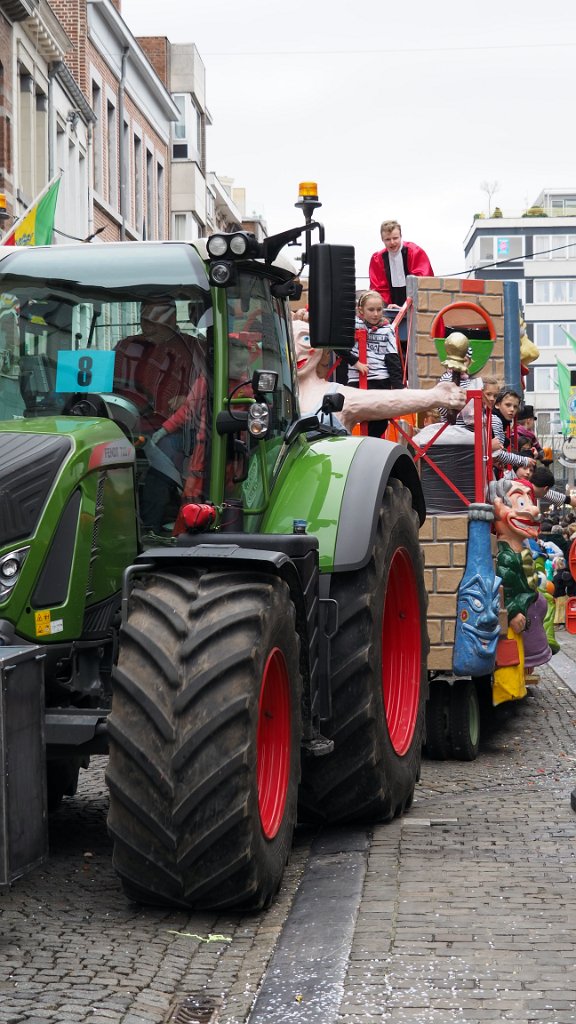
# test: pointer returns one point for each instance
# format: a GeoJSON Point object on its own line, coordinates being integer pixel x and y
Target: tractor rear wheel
{"type": "Point", "coordinates": [438, 745]}
{"type": "Point", "coordinates": [465, 720]}
{"type": "Point", "coordinates": [379, 679]}
{"type": "Point", "coordinates": [205, 740]}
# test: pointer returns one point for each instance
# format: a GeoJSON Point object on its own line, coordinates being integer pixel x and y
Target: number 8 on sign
{"type": "Point", "coordinates": [85, 370]}
{"type": "Point", "coordinates": [85, 364]}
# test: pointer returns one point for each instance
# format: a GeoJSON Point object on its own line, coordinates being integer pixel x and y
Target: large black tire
{"type": "Point", "coordinates": [438, 745]}
{"type": "Point", "coordinates": [379, 679]}
{"type": "Point", "coordinates": [464, 720]}
{"type": "Point", "coordinates": [205, 740]}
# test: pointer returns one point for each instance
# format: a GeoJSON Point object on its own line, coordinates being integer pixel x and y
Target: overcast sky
{"type": "Point", "coordinates": [396, 110]}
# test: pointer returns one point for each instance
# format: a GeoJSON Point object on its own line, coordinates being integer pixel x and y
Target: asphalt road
{"type": "Point", "coordinates": [462, 911]}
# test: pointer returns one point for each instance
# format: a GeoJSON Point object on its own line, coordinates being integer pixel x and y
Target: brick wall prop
{"type": "Point", "coordinates": [443, 540]}
{"type": "Point", "coordinates": [432, 294]}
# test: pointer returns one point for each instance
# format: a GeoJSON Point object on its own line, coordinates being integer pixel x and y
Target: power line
{"type": "Point", "coordinates": [403, 50]}
{"type": "Point", "coordinates": [496, 263]}
{"type": "Point", "coordinates": [511, 259]}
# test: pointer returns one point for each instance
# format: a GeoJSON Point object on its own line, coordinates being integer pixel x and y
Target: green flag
{"type": "Point", "coordinates": [569, 336]}
{"type": "Point", "coordinates": [36, 225]}
{"type": "Point", "coordinates": [567, 419]}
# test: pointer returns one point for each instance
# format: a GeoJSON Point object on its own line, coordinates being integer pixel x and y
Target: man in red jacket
{"type": "Point", "coordinates": [389, 267]}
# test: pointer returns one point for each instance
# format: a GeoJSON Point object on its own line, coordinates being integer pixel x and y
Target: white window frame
{"type": "Point", "coordinates": [188, 130]}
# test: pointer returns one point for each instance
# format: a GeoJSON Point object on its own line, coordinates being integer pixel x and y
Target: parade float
{"type": "Point", "coordinates": [476, 654]}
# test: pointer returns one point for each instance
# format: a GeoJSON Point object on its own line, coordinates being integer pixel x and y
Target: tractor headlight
{"type": "Point", "coordinates": [10, 566]}
{"type": "Point", "coordinates": [222, 274]}
{"type": "Point", "coordinates": [258, 419]}
{"type": "Point", "coordinates": [238, 245]}
{"type": "Point", "coordinates": [234, 245]}
{"type": "Point", "coordinates": [217, 245]}
{"type": "Point", "coordinates": [264, 382]}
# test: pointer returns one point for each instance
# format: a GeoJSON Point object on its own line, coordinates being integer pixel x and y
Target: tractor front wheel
{"type": "Point", "coordinates": [379, 679]}
{"type": "Point", "coordinates": [205, 740]}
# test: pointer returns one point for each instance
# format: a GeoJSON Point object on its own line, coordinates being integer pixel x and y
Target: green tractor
{"type": "Point", "coordinates": [223, 594]}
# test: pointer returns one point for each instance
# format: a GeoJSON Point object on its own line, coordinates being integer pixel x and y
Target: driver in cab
{"type": "Point", "coordinates": [155, 369]}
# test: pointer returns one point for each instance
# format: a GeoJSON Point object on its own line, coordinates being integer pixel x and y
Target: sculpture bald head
{"type": "Point", "coordinates": [456, 347]}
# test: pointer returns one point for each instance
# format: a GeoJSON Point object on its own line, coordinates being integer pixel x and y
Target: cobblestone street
{"type": "Point", "coordinates": [468, 911]}
{"type": "Point", "coordinates": [469, 908]}
{"type": "Point", "coordinates": [73, 949]}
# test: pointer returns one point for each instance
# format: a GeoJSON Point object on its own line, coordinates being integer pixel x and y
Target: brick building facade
{"type": "Point", "coordinates": [6, 107]}
{"type": "Point", "coordinates": [78, 95]}
{"type": "Point", "coordinates": [133, 109]}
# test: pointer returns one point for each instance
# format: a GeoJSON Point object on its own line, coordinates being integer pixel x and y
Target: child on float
{"type": "Point", "coordinates": [491, 391]}
{"type": "Point", "coordinates": [490, 387]}
{"type": "Point", "coordinates": [383, 367]}
{"type": "Point", "coordinates": [503, 403]}
{"type": "Point", "coordinates": [506, 406]}
{"type": "Point", "coordinates": [504, 412]}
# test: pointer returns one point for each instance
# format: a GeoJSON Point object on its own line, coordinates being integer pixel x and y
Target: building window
{"type": "Point", "coordinates": [541, 334]}
{"type": "Point", "coordinates": [552, 335]}
{"type": "Point", "coordinates": [97, 108]}
{"type": "Point", "coordinates": [112, 139]}
{"type": "Point", "coordinates": [149, 195]}
{"type": "Point", "coordinates": [541, 246]}
{"type": "Point", "coordinates": [555, 424]}
{"type": "Point", "coordinates": [543, 423]}
{"type": "Point", "coordinates": [26, 134]}
{"type": "Point", "coordinates": [563, 247]}
{"type": "Point", "coordinates": [137, 159]}
{"type": "Point", "coordinates": [486, 249]}
{"type": "Point", "coordinates": [126, 179]}
{"type": "Point", "coordinates": [555, 290]}
{"type": "Point", "coordinates": [181, 233]}
{"type": "Point", "coordinates": [160, 199]}
{"type": "Point", "coordinates": [559, 339]}
{"type": "Point", "coordinates": [179, 127]}
{"type": "Point", "coordinates": [545, 378]}
{"type": "Point", "coordinates": [187, 131]}
{"type": "Point", "coordinates": [509, 247]}
{"type": "Point", "coordinates": [555, 247]}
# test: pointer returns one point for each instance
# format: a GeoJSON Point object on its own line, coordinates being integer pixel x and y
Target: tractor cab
{"type": "Point", "coordinates": [84, 332]}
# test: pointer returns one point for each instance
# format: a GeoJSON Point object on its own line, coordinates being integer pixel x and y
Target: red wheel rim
{"type": "Point", "coordinates": [273, 743]}
{"type": "Point", "coordinates": [401, 652]}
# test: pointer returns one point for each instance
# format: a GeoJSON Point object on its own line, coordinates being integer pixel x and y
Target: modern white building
{"type": "Point", "coordinates": [537, 248]}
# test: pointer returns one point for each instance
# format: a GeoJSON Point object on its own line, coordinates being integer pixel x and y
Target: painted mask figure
{"type": "Point", "coordinates": [517, 519]}
{"type": "Point", "coordinates": [478, 604]}
{"type": "Point", "coordinates": [517, 516]}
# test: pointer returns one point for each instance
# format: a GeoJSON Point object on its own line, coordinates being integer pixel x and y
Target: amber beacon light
{"type": "Point", "coordinates": [308, 190]}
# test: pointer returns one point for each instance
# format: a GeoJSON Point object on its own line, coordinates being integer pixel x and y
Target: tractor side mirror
{"type": "Point", "coordinates": [332, 402]}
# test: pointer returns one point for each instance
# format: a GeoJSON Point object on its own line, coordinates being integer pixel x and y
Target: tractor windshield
{"type": "Point", "coordinates": [258, 339]}
{"type": "Point", "coordinates": [84, 330]}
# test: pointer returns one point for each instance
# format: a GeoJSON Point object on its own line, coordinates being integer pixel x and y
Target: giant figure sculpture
{"type": "Point", "coordinates": [360, 405]}
{"type": "Point", "coordinates": [516, 521]}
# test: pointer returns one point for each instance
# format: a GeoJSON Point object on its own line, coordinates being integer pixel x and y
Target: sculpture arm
{"type": "Point", "coordinates": [362, 405]}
